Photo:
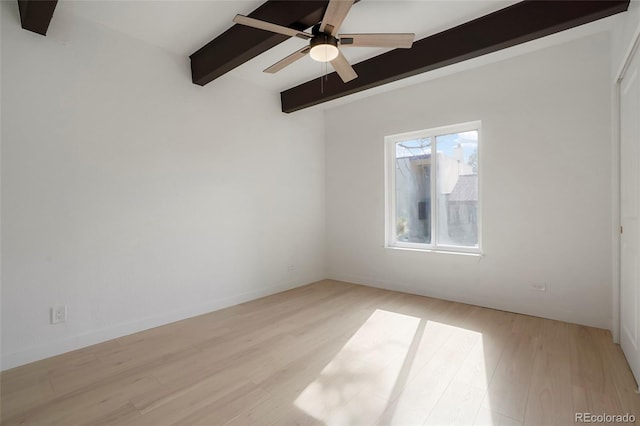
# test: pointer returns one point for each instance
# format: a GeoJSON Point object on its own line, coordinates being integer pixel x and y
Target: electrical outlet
{"type": "Point", "coordinates": [538, 286]}
{"type": "Point", "coordinates": [291, 267]}
{"type": "Point", "coordinates": [58, 314]}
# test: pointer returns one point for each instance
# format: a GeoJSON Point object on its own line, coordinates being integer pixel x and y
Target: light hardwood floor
{"type": "Point", "coordinates": [332, 353]}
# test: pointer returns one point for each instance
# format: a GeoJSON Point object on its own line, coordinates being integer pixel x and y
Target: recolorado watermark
{"type": "Point", "coordinates": [604, 418]}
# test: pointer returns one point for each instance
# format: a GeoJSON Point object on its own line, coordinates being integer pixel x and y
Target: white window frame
{"type": "Point", "coordinates": [390, 189]}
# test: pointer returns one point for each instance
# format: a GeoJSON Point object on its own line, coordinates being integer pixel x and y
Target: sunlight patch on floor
{"type": "Point", "coordinates": [368, 364]}
{"type": "Point", "coordinates": [399, 369]}
{"type": "Point", "coordinates": [442, 386]}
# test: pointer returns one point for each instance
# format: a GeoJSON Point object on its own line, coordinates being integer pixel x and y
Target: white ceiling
{"type": "Point", "coordinates": [182, 27]}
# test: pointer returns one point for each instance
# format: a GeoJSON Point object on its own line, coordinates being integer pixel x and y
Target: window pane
{"type": "Point", "coordinates": [413, 191]}
{"type": "Point", "coordinates": [457, 188]}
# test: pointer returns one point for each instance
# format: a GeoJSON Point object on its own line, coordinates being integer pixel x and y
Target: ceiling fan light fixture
{"type": "Point", "coordinates": [324, 52]}
{"type": "Point", "coordinates": [324, 48]}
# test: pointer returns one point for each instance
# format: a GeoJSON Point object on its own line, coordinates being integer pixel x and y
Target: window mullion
{"type": "Point", "coordinates": [434, 196]}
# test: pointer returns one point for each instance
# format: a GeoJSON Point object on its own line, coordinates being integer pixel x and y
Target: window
{"type": "Point", "coordinates": [432, 189]}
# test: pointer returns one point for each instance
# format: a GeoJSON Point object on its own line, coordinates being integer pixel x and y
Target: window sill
{"type": "Point", "coordinates": [438, 251]}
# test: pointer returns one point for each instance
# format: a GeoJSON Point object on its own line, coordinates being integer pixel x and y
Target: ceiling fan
{"type": "Point", "coordinates": [324, 40]}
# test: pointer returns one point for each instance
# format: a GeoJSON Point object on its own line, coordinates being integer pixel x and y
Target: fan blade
{"type": "Point", "coordinates": [288, 60]}
{"type": "Point", "coordinates": [268, 26]}
{"type": "Point", "coordinates": [342, 67]}
{"type": "Point", "coordinates": [336, 11]}
{"type": "Point", "coordinates": [401, 40]}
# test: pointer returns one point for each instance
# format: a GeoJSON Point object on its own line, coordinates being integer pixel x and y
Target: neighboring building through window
{"type": "Point", "coordinates": [432, 189]}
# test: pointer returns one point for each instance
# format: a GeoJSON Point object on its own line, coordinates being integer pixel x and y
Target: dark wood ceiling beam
{"type": "Point", "coordinates": [35, 15]}
{"type": "Point", "coordinates": [519, 23]}
{"type": "Point", "coordinates": [240, 43]}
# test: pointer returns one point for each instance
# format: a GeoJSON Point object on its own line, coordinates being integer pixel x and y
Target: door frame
{"type": "Point", "coordinates": [632, 49]}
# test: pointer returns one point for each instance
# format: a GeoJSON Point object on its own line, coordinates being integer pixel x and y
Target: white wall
{"type": "Point", "coordinates": [138, 198]}
{"type": "Point", "coordinates": [545, 177]}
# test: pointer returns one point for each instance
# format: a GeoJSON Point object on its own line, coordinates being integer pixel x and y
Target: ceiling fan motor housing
{"type": "Point", "coordinates": [322, 39]}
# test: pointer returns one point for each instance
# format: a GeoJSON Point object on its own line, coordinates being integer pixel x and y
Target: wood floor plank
{"type": "Point", "coordinates": [189, 402]}
{"type": "Point", "coordinates": [331, 353]}
{"type": "Point", "coordinates": [487, 417]}
{"type": "Point", "coordinates": [276, 410]}
{"type": "Point", "coordinates": [594, 388]}
{"type": "Point", "coordinates": [550, 399]}
{"type": "Point", "coordinates": [625, 385]}
{"type": "Point", "coordinates": [88, 406]}
{"type": "Point", "coordinates": [509, 386]}
{"type": "Point", "coordinates": [459, 405]}
{"type": "Point", "coordinates": [225, 409]}
{"type": "Point", "coordinates": [494, 328]}
{"type": "Point", "coordinates": [22, 399]}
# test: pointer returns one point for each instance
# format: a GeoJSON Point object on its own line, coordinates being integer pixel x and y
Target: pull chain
{"type": "Point", "coordinates": [324, 75]}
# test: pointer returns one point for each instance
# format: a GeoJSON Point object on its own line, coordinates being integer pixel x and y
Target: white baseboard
{"type": "Point", "coordinates": [36, 353]}
{"type": "Point", "coordinates": [576, 317]}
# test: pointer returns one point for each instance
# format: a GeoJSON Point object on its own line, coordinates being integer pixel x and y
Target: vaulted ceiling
{"type": "Point", "coordinates": [184, 27]}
